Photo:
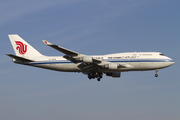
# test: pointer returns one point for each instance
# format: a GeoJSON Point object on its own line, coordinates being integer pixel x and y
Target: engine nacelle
{"type": "Point", "coordinates": [112, 66]}
{"type": "Point", "coordinates": [114, 74]}
{"type": "Point", "coordinates": [87, 59]}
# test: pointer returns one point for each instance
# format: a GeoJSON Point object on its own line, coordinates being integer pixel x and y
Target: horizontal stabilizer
{"type": "Point", "coordinates": [20, 59]}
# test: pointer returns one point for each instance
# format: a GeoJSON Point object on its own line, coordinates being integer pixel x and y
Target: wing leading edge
{"type": "Point", "coordinates": [61, 49]}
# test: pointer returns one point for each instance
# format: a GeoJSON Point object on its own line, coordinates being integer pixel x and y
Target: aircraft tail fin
{"type": "Point", "coordinates": [22, 48]}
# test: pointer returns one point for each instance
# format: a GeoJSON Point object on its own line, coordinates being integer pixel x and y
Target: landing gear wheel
{"type": "Point", "coordinates": [156, 75]}
{"type": "Point", "coordinates": [93, 75]}
{"type": "Point", "coordinates": [89, 76]}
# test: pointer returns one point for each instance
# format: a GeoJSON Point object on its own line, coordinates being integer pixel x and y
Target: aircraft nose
{"type": "Point", "coordinates": [170, 62]}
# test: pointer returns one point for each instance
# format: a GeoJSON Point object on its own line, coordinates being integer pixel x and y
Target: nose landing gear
{"type": "Point", "coordinates": [156, 75]}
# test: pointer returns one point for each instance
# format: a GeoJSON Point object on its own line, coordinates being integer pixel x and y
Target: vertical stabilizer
{"type": "Point", "coordinates": [22, 48]}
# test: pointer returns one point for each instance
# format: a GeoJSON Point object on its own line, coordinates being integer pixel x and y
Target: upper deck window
{"type": "Point", "coordinates": [147, 54]}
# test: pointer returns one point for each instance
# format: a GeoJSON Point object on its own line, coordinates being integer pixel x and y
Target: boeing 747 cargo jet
{"type": "Point", "coordinates": [94, 66]}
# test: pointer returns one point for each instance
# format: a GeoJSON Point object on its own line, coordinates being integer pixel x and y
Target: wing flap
{"type": "Point", "coordinates": [86, 66]}
{"type": "Point", "coordinates": [70, 58]}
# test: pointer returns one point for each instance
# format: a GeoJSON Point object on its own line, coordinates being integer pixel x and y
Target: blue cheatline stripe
{"type": "Point", "coordinates": [38, 63]}
{"type": "Point", "coordinates": [108, 60]}
{"type": "Point", "coordinates": [141, 61]}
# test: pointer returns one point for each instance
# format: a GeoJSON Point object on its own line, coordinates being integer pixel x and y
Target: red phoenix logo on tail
{"type": "Point", "coordinates": [21, 47]}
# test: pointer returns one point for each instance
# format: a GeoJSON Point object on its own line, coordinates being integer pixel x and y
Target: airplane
{"type": "Point", "coordinates": [94, 66]}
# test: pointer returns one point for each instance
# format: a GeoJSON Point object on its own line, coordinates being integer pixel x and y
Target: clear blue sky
{"type": "Point", "coordinates": [90, 27]}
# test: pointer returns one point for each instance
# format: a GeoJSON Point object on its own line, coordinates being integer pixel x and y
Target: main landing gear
{"type": "Point", "coordinates": [94, 75]}
{"type": "Point", "coordinates": [156, 75]}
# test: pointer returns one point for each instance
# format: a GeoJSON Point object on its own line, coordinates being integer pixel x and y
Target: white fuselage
{"type": "Point", "coordinates": [92, 65]}
{"type": "Point", "coordinates": [138, 61]}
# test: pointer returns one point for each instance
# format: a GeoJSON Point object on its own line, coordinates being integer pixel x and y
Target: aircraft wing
{"type": "Point", "coordinates": [69, 54]}
{"type": "Point", "coordinates": [87, 63]}
{"type": "Point", "coordinates": [61, 49]}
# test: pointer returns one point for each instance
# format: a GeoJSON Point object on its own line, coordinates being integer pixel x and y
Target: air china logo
{"type": "Point", "coordinates": [21, 47]}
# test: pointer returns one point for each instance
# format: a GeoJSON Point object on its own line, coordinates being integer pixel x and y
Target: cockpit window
{"type": "Point", "coordinates": [162, 54]}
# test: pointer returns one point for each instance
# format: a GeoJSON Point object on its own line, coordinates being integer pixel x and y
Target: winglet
{"type": "Point", "coordinates": [46, 42]}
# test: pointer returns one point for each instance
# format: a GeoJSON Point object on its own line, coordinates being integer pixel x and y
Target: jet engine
{"type": "Point", "coordinates": [114, 74]}
{"type": "Point", "coordinates": [112, 66]}
{"type": "Point", "coordinates": [87, 59]}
